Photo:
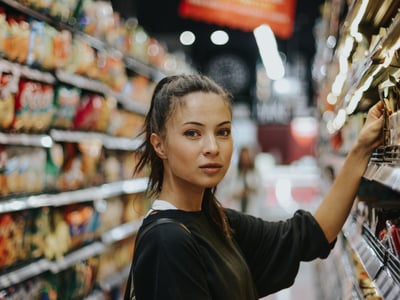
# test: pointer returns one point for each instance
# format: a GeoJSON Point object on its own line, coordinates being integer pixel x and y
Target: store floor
{"type": "Point", "coordinates": [304, 288]}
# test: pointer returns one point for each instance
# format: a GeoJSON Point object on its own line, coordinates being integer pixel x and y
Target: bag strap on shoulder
{"type": "Point", "coordinates": [154, 224]}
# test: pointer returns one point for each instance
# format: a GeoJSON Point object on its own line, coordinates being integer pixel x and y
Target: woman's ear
{"type": "Point", "coordinates": [158, 145]}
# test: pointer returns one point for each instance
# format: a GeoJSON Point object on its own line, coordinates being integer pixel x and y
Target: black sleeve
{"type": "Point", "coordinates": [167, 265]}
{"type": "Point", "coordinates": [274, 250]}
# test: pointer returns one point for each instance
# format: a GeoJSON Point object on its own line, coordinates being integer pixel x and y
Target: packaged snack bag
{"type": "Point", "coordinates": [12, 170]}
{"type": "Point", "coordinates": [54, 162]}
{"type": "Point", "coordinates": [16, 42]}
{"type": "Point", "coordinates": [111, 70]}
{"type": "Point", "coordinates": [40, 229]}
{"type": "Point", "coordinates": [82, 59]}
{"type": "Point", "coordinates": [3, 29]}
{"type": "Point", "coordinates": [94, 112]}
{"type": "Point", "coordinates": [58, 239]}
{"type": "Point", "coordinates": [125, 124]}
{"type": "Point", "coordinates": [62, 9]}
{"type": "Point", "coordinates": [7, 101]}
{"type": "Point", "coordinates": [48, 60]}
{"type": "Point", "coordinates": [34, 106]}
{"type": "Point", "coordinates": [28, 92]}
{"type": "Point", "coordinates": [62, 48]}
{"type": "Point", "coordinates": [36, 43]}
{"type": "Point", "coordinates": [66, 102]}
{"type": "Point", "coordinates": [21, 234]}
{"type": "Point", "coordinates": [32, 170]}
{"type": "Point", "coordinates": [43, 109]}
{"type": "Point", "coordinates": [91, 155]}
{"type": "Point", "coordinates": [111, 215]}
{"type": "Point", "coordinates": [7, 255]}
{"type": "Point", "coordinates": [78, 217]}
{"type": "Point", "coordinates": [71, 176]}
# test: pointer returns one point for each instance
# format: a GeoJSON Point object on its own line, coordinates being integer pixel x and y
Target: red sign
{"type": "Point", "coordinates": [243, 14]}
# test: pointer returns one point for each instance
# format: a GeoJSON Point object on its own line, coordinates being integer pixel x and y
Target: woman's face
{"type": "Point", "coordinates": [198, 145]}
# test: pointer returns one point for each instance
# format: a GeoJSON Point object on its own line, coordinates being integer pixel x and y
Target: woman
{"type": "Point", "coordinates": [242, 187]}
{"type": "Point", "coordinates": [209, 252]}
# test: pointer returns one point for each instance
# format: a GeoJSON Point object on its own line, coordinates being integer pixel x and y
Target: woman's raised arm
{"type": "Point", "coordinates": [336, 205]}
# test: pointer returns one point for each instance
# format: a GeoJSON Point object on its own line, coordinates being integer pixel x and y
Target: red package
{"type": "Point", "coordinates": [34, 106]}
{"type": "Point", "coordinates": [94, 113]}
{"type": "Point", "coordinates": [88, 112]}
{"type": "Point", "coordinates": [394, 234]}
{"type": "Point", "coordinates": [7, 257]}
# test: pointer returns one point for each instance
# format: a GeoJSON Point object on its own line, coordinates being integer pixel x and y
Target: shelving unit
{"type": "Point", "coordinates": [44, 265]}
{"type": "Point", "coordinates": [365, 55]}
{"type": "Point", "coordinates": [14, 277]}
{"type": "Point", "coordinates": [380, 264]}
{"type": "Point", "coordinates": [131, 62]}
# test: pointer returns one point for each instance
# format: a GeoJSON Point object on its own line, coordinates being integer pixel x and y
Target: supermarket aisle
{"type": "Point", "coordinates": [288, 188]}
{"type": "Point", "coordinates": [305, 286]}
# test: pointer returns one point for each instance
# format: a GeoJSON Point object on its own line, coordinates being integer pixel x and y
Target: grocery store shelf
{"type": "Point", "coordinates": [97, 86]}
{"type": "Point", "coordinates": [64, 198]}
{"type": "Point", "coordinates": [76, 256]}
{"type": "Point", "coordinates": [34, 140]}
{"type": "Point", "coordinates": [55, 135]}
{"type": "Point", "coordinates": [43, 265]}
{"type": "Point", "coordinates": [121, 232]}
{"type": "Point", "coordinates": [23, 273]}
{"type": "Point", "coordinates": [27, 72]}
{"type": "Point", "coordinates": [374, 257]}
{"type": "Point", "coordinates": [131, 62]}
{"type": "Point", "coordinates": [115, 280]}
{"type": "Point", "coordinates": [108, 141]}
{"type": "Point", "coordinates": [384, 174]}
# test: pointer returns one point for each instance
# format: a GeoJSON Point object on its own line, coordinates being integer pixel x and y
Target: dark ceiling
{"type": "Point", "coordinates": [160, 19]}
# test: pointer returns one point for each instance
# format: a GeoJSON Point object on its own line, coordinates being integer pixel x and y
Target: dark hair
{"type": "Point", "coordinates": [166, 97]}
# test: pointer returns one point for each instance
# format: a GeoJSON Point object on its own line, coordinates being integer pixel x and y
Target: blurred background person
{"type": "Point", "coordinates": [243, 187]}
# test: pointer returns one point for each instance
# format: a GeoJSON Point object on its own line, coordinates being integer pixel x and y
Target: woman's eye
{"type": "Point", "coordinates": [191, 133]}
{"type": "Point", "coordinates": [224, 132]}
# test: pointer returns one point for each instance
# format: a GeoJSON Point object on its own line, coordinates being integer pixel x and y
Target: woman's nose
{"type": "Point", "coordinates": [211, 145]}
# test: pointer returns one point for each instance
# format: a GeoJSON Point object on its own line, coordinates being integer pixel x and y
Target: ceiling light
{"type": "Point", "coordinates": [268, 49]}
{"type": "Point", "coordinates": [187, 38]}
{"type": "Point", "coordinates": [219, 37]}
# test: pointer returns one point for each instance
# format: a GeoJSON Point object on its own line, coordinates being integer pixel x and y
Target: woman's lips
{"type": "Point", "coordinates": [211, 169]}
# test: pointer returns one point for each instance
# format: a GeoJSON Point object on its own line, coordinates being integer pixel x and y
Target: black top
{"type": "Point", "coordinates": [263, 257]}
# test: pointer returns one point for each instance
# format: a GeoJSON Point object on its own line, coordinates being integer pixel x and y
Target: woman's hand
{"type": "Point", "coordinates": [371, 136]}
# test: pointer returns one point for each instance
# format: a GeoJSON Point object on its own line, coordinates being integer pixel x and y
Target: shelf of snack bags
{"type": "Point", "coordinates": [73, 184]}
{"type": "Point", "coordinates": [54, 240]}
{"type": "Point", "coordinates": [94, 49]}
{"type": "Point", "coordinates": [103, 29]}
{"type": "Point", "coordinates": [62, 160]}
